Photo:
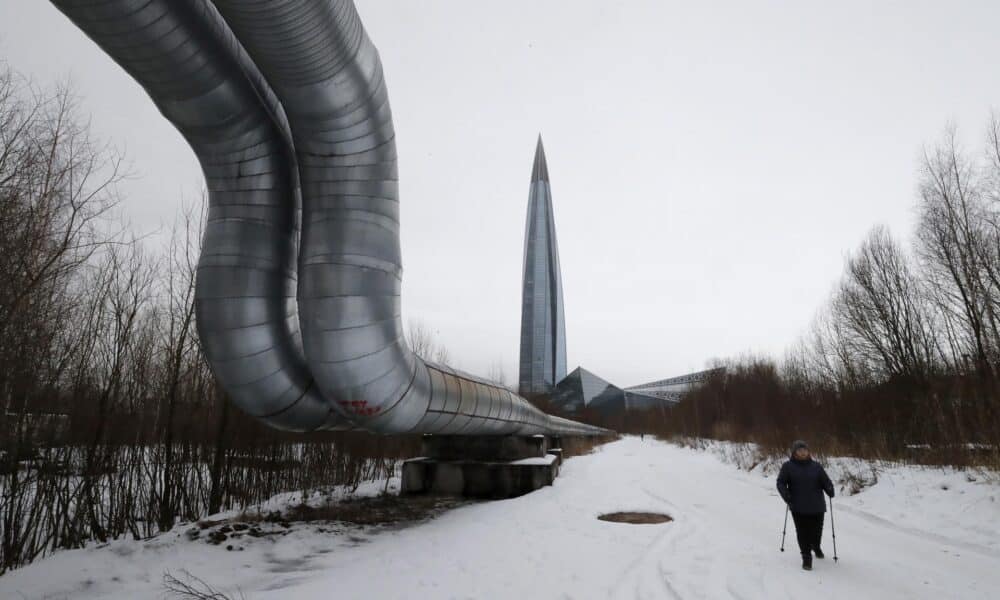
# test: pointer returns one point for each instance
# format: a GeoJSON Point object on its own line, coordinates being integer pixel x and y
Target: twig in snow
{"type": "Point", "coordinates": [194, 588]}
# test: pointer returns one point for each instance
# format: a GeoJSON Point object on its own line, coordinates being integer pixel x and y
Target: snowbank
{"type": "Point", "coordinates": [956, 504]}
{"type": "Point", "coordinates": [916, 533]}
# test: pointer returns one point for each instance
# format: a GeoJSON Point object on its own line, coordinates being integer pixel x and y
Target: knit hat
{"type": "Point", "coordinates": [799, 444]}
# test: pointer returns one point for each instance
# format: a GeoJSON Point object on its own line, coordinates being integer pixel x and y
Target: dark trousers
{"type": "Point", "coordinates": [809, 531]}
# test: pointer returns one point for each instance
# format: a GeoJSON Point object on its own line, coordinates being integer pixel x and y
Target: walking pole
{"type": "Point", "coordinates": [785, 528]}
{"type": "Point", "coordinates": [833, 530]}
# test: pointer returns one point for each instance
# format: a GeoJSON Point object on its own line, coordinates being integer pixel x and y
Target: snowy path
{"type": "Point", "coordinates": [722, 544]}
{"type": "Point", "coordinates": [549, 544]}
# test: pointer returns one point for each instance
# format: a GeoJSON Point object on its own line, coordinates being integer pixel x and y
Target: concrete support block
{"type": "Point", "coordinates": [479, 479]}
{"type": "Point", "coordinates": [415, 476]}
{"type": "Point", "coordinates": [448, 478]}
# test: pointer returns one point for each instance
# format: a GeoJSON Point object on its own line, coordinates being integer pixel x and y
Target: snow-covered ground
{"type": "Point", "coordinates": [917, 533]}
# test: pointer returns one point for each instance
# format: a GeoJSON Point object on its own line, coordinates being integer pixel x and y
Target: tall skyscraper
{"type": "Point", "coordinates": [543, 324]}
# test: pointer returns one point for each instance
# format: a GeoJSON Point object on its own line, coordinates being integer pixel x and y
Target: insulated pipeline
{"type": "Point", "coordinates": [273, 94]}
{"type": "Point", "coordinates": [187, 60]}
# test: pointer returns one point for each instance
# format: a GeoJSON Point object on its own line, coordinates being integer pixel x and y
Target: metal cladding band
{"type": "Point", "coordinates": [323, 72]}
{"type": "Point", "coordinates": [190, 64]}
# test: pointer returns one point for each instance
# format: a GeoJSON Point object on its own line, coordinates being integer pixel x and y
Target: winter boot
{"type": "Point", "coordinates": [807, 562]}
{"type": "Point", "coordinates": [819, 553]}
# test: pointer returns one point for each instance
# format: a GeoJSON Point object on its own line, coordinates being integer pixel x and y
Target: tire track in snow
{"type": "Point", "coordinates": [670, 536]}
{"type": "Point", "coordinates": [690, 521]}
{"type": "Point", "coordinates": [675, 532]}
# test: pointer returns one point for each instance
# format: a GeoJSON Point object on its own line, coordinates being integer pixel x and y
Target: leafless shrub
{"type": "Point", "coordinates": [424, 344]}
{"type": "Point", "coordinates": [193, 587]}
{"type": "Point", "coordinates": [498, 374]}
{"type": "Point", "coordinates": [579, 446]}
{"type": "Point", "coordinates": [855, 478]}
{"type": "Point", "coordinates": [886, 323]}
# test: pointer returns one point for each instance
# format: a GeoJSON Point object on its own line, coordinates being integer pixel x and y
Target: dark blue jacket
{"type": "Point", "coordinates": [801, 484]}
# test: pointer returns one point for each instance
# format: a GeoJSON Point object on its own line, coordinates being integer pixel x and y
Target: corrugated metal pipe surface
{"type": "Point", "coordinates": [298, 292]}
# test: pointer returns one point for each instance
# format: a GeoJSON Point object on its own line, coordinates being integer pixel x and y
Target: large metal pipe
{"type": "Point", "coordinates": [187, 60]}
{"type": "Point", "coordinates": [327, 77]}
{"type": "Point", "coordinates": [326, 72]}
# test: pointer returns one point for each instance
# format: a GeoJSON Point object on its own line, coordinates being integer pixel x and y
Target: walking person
{"type": "Point", "coordinates": [801, 483]}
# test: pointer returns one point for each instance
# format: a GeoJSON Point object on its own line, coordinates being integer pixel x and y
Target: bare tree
{"type": "Point", "coordinates": [420, 338]}
{"type": "Point", "coordinates": [424, 344]}
{"type": "Point", "coordinates": [127, 280]}
{"type": "Point", "coordinates": [56, 185]}
{"type": "Point", "coordinates": [498, 374]}
{"type": "Point", "coordinates": [442, 356]}
{"type": "Point", "coordinates": [959, 260]}
{"type": "Point", "coordinates": [180, 342]}
{"type": "Point", "coordinates": [883, 310]}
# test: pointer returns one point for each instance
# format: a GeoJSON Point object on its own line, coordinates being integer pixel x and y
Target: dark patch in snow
{"type": "Point", "coordinates": [384, 509]}
{"type": "Point", "coordinates": [636, 518]}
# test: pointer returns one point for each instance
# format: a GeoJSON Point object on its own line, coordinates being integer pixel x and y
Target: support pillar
{"type": "Point", "coordinates": [481, 466]}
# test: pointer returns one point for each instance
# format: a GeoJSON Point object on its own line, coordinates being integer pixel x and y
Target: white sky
{"type": "Point", "coordinates": [711, 163]}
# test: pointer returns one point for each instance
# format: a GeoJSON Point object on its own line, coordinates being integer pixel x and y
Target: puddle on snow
{"type": "Point", "coordinates": [636, 518]}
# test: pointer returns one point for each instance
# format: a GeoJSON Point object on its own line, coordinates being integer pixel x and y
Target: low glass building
{"type": "Point", "coordinates": [582, 389]}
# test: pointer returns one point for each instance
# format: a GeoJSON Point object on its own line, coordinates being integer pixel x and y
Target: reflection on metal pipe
{"type": "Point", "coordinates": [187, 59]}
{"type": "Point", "coordinates": [312, 61]}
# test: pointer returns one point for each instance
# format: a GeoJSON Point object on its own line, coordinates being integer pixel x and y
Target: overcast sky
{"type": "Point", "coordinates": [712, 163]}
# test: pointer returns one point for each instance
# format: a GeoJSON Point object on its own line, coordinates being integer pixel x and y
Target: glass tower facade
{"type": "Point", "coordinates": [543, 324]}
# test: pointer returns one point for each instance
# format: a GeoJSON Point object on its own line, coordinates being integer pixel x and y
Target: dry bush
{"type": "Point", "coordinates": [192, 587]}
{"type": "Point", "coordinates": [579, 445]}
{"type": "Point", "coordinates": [856, 477]}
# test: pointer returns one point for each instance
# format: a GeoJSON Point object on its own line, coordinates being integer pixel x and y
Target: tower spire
{"type": "Point", "coordinates": [540, 171]}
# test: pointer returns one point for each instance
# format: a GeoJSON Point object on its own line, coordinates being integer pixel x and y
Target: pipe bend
{"type": "Point", "coordinates": [187, 60]}
{"type": "Point", "coordinates": [328, 77]}
{"type": "Point", "coordinates": [303, 121]}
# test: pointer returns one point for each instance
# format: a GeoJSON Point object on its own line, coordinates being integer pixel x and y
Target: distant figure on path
{"type": "Point", "coordinates": [801, 483]}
